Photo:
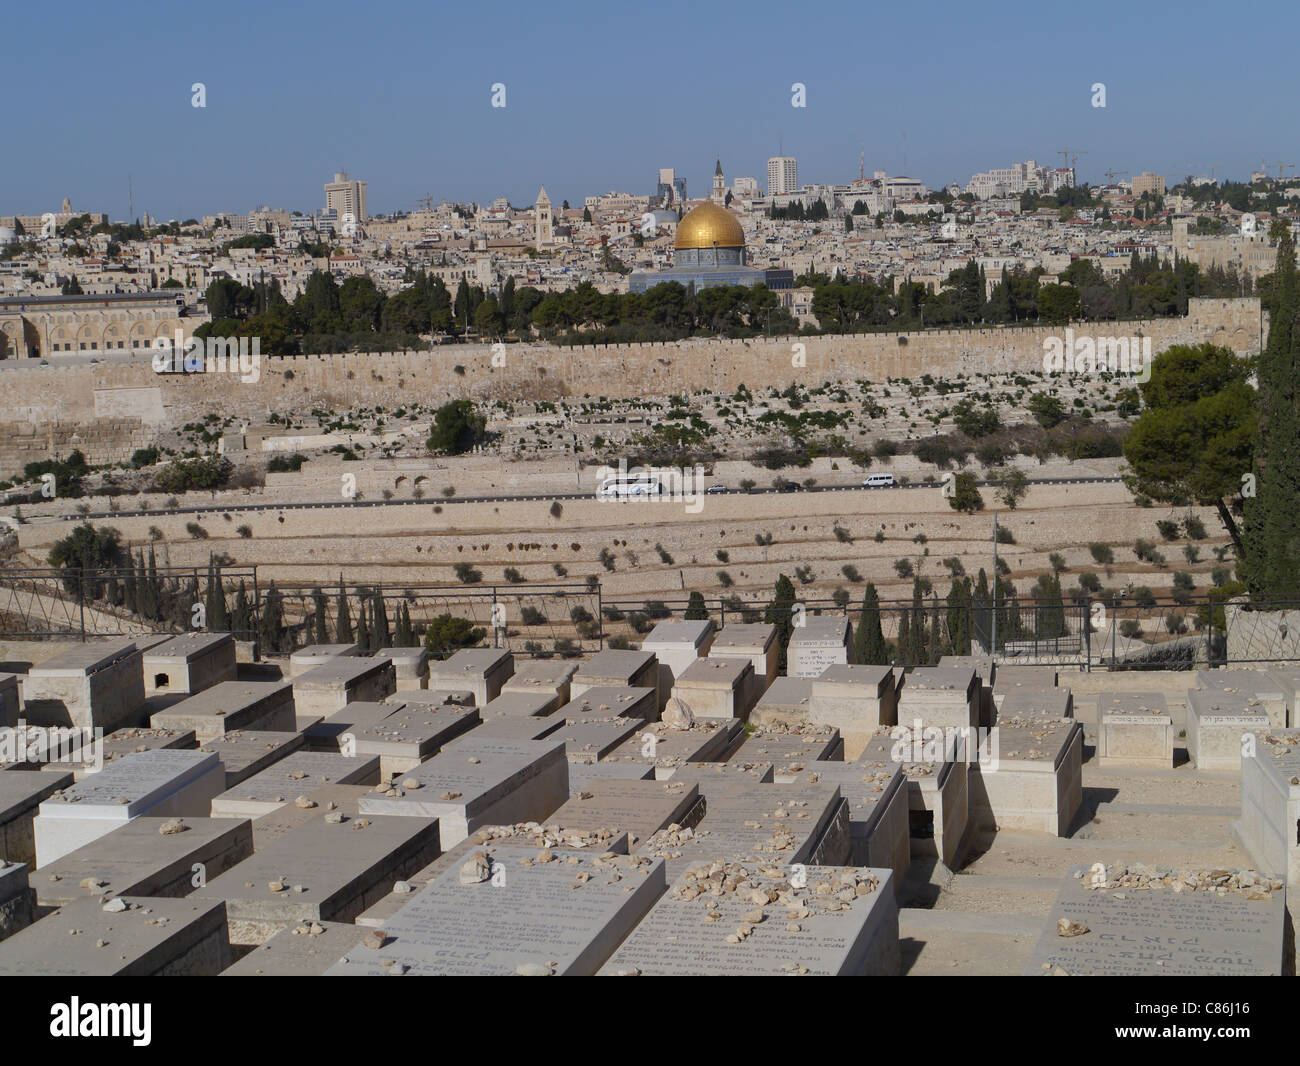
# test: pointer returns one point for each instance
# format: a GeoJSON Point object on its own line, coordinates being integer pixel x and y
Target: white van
{"type": "Point", "coordinates": [878, 481]}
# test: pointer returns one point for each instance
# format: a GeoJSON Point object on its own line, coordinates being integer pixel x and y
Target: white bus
{"type": "Point", "coordinates": [637, 486]}
{"type": "Point", "coordinates": [878, 481]}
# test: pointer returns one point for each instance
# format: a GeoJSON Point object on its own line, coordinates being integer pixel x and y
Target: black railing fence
{"type": "Point", "coordinates": [574, 618]}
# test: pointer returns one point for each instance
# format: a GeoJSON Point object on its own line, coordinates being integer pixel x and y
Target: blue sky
{"type": "Point", "coordinates": [600, 95]}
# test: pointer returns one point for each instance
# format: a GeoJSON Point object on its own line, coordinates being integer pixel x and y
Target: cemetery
{"type": "Point", "coordinates": [685, 807]}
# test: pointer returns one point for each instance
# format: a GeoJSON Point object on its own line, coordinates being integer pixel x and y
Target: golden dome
{"type": "Point", "coordinates": [709, 226]}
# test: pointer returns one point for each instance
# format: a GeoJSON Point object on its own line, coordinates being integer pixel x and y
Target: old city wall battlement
{"type": "Point", "coordinates": [110, 408]}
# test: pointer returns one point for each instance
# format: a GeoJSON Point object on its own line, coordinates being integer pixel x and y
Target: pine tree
{"type": "Point", "coordinates": [1272, 535]}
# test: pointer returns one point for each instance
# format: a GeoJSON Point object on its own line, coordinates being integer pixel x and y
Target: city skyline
{"type": "Point", "coordinates": [627, 102]}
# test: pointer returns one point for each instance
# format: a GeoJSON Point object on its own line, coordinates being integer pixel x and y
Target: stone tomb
{"type": "Point", "coordinates": [876, 797]}
{"type": "Point", "coordinates": [150, 936]}
{"type": "Point", "coordinates": [664, 747]}
{"type": "Point", "coordinates": [1134, 729]}
{"type": "Point", "coordinates": [230, 705]}
{"type": "Point", "coordinates": [520, 727]}
{"type": "Point", "coordinates": [1270, 804]}
{"type": "Point", "coordinates": [404, 739]}
{"type": "Point", "coordinates": [588, 740]}
{"type": "Point", "coordinates": [480, 670]}
{"type": "Point", "coordinates": [96, 685]}
{"type": "Point", "coordinates": [141, 738]}
{"type": "Point", "coordinates": [1028, 773]}
{"type": "Point", "coordinates": [717, 688]}
{"type": "Point", "coordinates": [317, 804]}
{"type": "Point", "coordinates": [17, 901]}
{"type": "Point", "coordinates": [304, 949]}
{"type": "Point", "coordinates": [147, 857]}
{"type": "Point", "coordinates": [942, 696]}
{"type": "Point", "coordinates": [838, 922]}
{"type": "Point", "coordinates": [856, 700]}
{"type": "Point", "coordinates": [564, 916]}
{"type": "Point", "coordinates": [774, 824]}
{"type": "Point", "coordinates": [315, 655]}
{"type": "Point", "coordinates": [609, 701]}
{"type": "Point", "coordinates": [677, 644]}
{"type": "Point", "coordinates": [331, 686]}
{"type": "Point", "coordinates": [582, 774]}
{"type": "Point", "coordinates": [411, 666]}
{"type": "Point", "coordinates": [1287, 679]}
{"type": "Point", "coordinates": [338, 732]}
{"type": "Point", "coordinates": [1217, 722]}
{"type": "Point", "coordinates": [163, 783]}
{"type": "Point", "coordinates": [247, 752]}
{"type": "Point", "coordinates": [1160, 932]}
{"type": "Point", "coordinates": [329, 868]}
{"type": "Point", "coordinates": [755, 641]}
{"type": "Point", "coordinates": [1255, 685]}
{"type": "Point", "coordinates": [637, 808]}
{"type": "Point", "coordinates": [614, 668]}
{"type": "Point", "coordinates": [986, 667]}
{"type": "Point", "coordinates": [790, 748]}
{"type": "Point", "coordinates": [293, 776]}
{"type": "Point", "coordinates": [513, 704]}
{"type": "Point", "coordinates": [822, 641]}
{"type": "Point", "coordinates": [10, 702]}
{"type": "Point", "coordinates": [539, 676]}
{"type": "Point", "coordinates": [938, 792]}
{"type": "Point", "coordinates": [21, 794]}
{"type": "Point", "coordinates": [477, 781]}
{"type": "Point", "coordinates": [189, 663]}
{"type": "Point", "coordinates": [786, 702]}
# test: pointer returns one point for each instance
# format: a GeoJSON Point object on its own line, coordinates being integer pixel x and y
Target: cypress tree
{"type": "Point", "coordinates": [1272, 535]}
{"type": "Point", "coordinates": [128, 584]}
{"type": "Point", "coordinates": [905, 656]}
{"type": "Point", "coordinates": [695, 608]}
{"type": "Point", "coordinates": [270, 630]}
{"type": "Point", "coordinates": [343, 624]}
{"type": "Point", "coordinates": [959, 616]}
{"type": "Point", "coordinates": [322, 631]}
{"type": "Point", "coordinates": [869, 645]}
{"type": "Point", "coordinates": [363, 630]}
{"type": "Point", "coordinates": [217, 618]}
{"type": "Point", "coordinates": [382, 638]}
{"type": "Point", "coordinates": [241, 621]}
{"type": "Point", "coordinates": [402, 638]}
{"type": "Point", "coordinates": [916, 641]}
{"type": "Point", "coordinates": [779, 614]}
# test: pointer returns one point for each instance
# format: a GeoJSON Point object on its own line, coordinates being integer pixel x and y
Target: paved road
{"type": "Point", "coordinates": [543, 497]}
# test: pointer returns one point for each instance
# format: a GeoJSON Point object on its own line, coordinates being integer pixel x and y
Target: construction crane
{"type": "Point", "coordinates": [427, 201]}
{"type": "Point", "coordinates": [1110, 175]}
{"type": "Point", "coordinates": [1070, 156]}
{"type": "Point", "coordinates": [1279, 164]}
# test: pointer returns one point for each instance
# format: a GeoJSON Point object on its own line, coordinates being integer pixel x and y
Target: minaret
{"type": "Point", "coordinates": [719, 193]}
{"type": "Point", "coordinates": [543, 232]}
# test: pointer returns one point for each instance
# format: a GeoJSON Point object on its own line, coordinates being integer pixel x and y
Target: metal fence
{"type": "Point", "coordinates": [575, 618]}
